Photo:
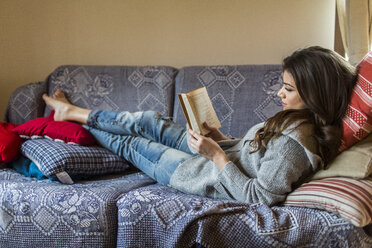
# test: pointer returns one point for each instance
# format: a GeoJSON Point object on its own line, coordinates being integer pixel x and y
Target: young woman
{"type": "Point", "coordinates": [262, 166]}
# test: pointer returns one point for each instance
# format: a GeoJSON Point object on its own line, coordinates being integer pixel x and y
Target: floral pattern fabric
{"type": "Point", "coordinates": [131, 211]}
{"type": "Point", "coordinates": [158, 216]}
{"type": "Point", "coordinates": [48, 212]}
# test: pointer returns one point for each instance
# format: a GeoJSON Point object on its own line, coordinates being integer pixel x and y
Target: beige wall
{"type": "Point", "coordinates": [36, 36]}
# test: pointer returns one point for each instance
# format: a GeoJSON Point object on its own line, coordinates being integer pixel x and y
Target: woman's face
{"type": "Point", "coordinates": [289, 94]}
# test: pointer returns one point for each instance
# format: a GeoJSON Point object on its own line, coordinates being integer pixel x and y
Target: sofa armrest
{"type": "Point", "coordinates": [25, 103]}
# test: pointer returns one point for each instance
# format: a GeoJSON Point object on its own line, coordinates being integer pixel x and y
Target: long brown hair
{"type": "Point", "coordinates": [324, 81]}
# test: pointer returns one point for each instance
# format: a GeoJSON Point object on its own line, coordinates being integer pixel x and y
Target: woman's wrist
{"type": "Point", "coordinates": [220, 159]}
{"type": "Point", "coordinates": [222, 138]}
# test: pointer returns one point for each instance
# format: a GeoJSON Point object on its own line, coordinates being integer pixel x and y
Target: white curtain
{"type": "Point", "coordinates": [355, 18]}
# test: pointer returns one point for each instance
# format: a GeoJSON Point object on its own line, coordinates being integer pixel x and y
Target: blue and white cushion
{"type": "Point", "coordinates": [66, 161]}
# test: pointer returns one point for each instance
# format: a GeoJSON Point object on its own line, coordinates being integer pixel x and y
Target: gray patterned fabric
{"type": "Point", "coordinates": [45, 213]}
{"type": "Point", "coordinates": [241, 95]}
{"type": "Point", "coordinates": [130, 210]}
{"type": "Point", "coordinates": [24, 104]}
{"type": "Point", "coordinates": [158, 216]}
{"type": "Point", "coordinates": [116, 87]}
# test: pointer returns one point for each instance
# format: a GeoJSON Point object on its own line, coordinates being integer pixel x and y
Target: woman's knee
{"type": "Point", "coordinates": [153, 119]}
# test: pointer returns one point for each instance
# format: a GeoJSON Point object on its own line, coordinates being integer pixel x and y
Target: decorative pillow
{"type": "Point", "coordinates": [353, 162]}
{"type": "Point", "coordinates": [357, 122]}
{"type": "Point", "coordinates": [64, 131]}
{"type": "Point", "coordinates": [65, 161]}
{"type": "Point", "coordinates": [347, 197]}
{"type": "Point", "coordinates": [9, 143]}
{"type": "Point", "coordinates": [28, 168]}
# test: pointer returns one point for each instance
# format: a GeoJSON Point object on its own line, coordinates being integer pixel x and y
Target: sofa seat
{"type": "Point", "coordinates": [159, 216]}
{"type": "Point", "coordinates": [35, 212]}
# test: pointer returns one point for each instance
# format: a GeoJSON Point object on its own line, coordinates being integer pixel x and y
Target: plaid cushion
{"type": "Point", "coordinates": [66, 161]}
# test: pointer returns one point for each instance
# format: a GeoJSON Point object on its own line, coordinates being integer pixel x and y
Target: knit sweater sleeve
{"type": "Point", "coordinates": [282, 165]}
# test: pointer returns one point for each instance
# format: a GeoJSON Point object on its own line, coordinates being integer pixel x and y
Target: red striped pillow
{"type": "Point", "coordinates": [347, 197]}
{"type": "Point", "coordinates": [357, 122]}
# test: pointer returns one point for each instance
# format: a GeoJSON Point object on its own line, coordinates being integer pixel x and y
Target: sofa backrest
{"type": "Point", "coordinates": [242, 95]}
{"type": "Point", "coordinates": [25, 104]}
{"type": "Point", "coordinates": [132, 88]}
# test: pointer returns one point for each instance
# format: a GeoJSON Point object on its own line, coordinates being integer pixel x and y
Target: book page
{"type": "Point", "coordinates": [188, 112]}
{"type": "Point", "coordinates": [203, 109]}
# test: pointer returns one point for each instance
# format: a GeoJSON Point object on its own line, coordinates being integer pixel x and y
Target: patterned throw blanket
{"type": "Point", "coordinates": [131, 211]}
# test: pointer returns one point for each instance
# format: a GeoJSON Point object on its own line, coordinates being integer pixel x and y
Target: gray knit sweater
{"type": "Point", "coordinates": [266, 176]}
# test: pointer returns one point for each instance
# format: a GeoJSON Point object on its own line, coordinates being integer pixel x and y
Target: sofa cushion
{"type": "Point", "coordinates": [26, 167]}
{"type": "Point", "coordinates": [43, 213]}
{"type": "Point", "coordinates": [353, 162]}
{"type": "Point", "coordinates": [159, 216]}
{"type": "Point", "coordinates": [9, 143]}
{"type": "Point", "coordinates": [25, 103]}
{"type": "Point", "coordinates": [242, 95]}
{"type": "Point", "coordinates": [347, 197]}
{"type": "Point", "coordinates": [63, 131]}
{"type": "Point", "coordinates": [66, 161]}
{"type": "Point", "coordinates": [131, 88]}
{"type": "Point", "coordinates": [358, 120]}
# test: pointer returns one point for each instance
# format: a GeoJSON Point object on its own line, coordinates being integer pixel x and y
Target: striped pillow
{"type": "Point", "coordinates": [357, 123]}
{"type": "Point", "coordinates": [347, 197]}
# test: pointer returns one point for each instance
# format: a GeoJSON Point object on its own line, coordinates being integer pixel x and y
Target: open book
{"type": "Point", "coordinates": [197, 107]}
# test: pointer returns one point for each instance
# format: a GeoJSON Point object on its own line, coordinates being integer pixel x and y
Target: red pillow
{"type": "Point", "coordinates": [9, 143]}
{"type": "Point", "coordinates": [357, 122]}
{"type": "Point", "coordinates": [46, 127]}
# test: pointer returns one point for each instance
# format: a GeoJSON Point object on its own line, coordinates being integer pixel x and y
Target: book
{"type": "Point", "coordinates": [197, 108]}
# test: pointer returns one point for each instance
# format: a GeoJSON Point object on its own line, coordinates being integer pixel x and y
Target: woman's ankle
{"type": "Point", "coordinates": [78, 114]}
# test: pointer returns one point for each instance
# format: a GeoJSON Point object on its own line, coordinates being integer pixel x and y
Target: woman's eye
{"type": "Point", "coordinates": [288, 89]}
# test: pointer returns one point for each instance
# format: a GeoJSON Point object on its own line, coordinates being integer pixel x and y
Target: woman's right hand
{"type": "Point", "coordinates": [208, 148]}
{"type": "Point", "coordinates": [215, 133]}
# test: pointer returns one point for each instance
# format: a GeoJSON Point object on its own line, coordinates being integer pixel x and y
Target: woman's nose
{"type": "Point", "coordinates": [280, 93]}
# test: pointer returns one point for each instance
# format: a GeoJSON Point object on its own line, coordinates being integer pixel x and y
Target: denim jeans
{"type": "Point", "coordinates": [154, 144]}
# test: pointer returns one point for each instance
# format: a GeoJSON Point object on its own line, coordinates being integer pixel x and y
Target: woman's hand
{"type": "Point", "coordinates": [214, 133]}
{"type": "Point", "coordinates": [208, 148]}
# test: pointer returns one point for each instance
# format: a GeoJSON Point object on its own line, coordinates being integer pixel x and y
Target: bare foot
{"type": "Point", "coordinates": [60, 104]}
{"type": "Point", "coordinates": [60, 95]}
{"type": "Point", "coordinates": [64, 110]}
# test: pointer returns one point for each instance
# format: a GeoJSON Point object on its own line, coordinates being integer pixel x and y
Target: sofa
{"type": "Point", "coordinates": [126, 208]}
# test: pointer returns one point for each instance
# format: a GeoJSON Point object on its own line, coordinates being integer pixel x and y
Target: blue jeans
{"type": "Point", "coordinates": [152, 143]}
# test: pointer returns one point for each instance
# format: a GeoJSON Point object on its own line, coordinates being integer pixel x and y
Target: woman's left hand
{"type": "Point", "coordinates": [208, 148]}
